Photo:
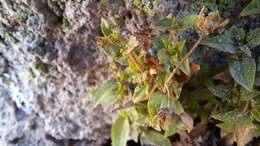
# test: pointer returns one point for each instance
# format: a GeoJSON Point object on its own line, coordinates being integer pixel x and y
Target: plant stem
{"type": "Point", "coordinates": [183, 60]}
{"type": "Point", "coordinates": [150, 93]}
{"type": "Point", "coordinates": [132, 57]}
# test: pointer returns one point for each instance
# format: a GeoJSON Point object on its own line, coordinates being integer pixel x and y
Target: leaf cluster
{"type": "Point", "coordinates": [158, 91]}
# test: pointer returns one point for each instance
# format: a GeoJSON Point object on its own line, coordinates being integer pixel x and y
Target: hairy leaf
{"type": "Point", "coordinates": [221, 91]}
{"type": "Point", "coordinates": [221, 43]}
{"type": "Point", "coordinates": [253, 38]}
{"type": "Point", "coordinates": [244, 72]}
{"type": "Point", "coordinates": [234, 116]}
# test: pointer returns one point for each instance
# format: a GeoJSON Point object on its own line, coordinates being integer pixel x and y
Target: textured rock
{"type": "Point", "coordinates": [48, 63]}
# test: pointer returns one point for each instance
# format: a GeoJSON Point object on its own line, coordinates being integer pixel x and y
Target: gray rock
{"type": "Point", "coordinates": [49, 62]}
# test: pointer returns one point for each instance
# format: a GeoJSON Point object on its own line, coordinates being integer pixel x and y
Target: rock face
{"type": "Point", "coordinates": [47, 69]}
{"type": "Point", "coordinates": [48, 63]}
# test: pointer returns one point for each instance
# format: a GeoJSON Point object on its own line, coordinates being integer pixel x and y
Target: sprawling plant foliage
{"type": "Point", "coordinates": [158, 91]}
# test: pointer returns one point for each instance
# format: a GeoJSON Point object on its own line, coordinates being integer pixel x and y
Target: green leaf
{"type": "Point", "coordinates": [142, 112]}
{"type": "Point", "coordinates": [243, 72]}
{"type": "Point", "coordinates": [158, 43]}
{"type": "Point", "coordinates": [149, 11]}
{"type": "Point", "coordinates": [155, 137]}
{"type": "Point", "coordinates": [185, 67]}
{"type": "Point", "coordinates": [227, 127]}
{"type": "Point", "coordinates": [221, 91]}
{"type": "Point", "coordinates": [162, 76]}
{"type": "Point", "coordinates": [140, 92]}
{"type": "Point", "coordinates": [163, 57]}
{"type": "Point", "coordinates": [131, 45]}
{"type": "Point", "coordinates": [246, 95]}
{"type": "Point", "coordinates": [177, 107]}
{"type": "Point", "coordinates": [155, 102]}
{"type": "Point", "coordinates": [106, 30]}
{"type": "Point", "coordinates": [253, 38]}
{"type": "Point", "coordinates": [132, 66]}
{"type": "Point", "coordinates": [252, 8]}
{"type": "Point", "coordinates": [168, 22]}
{"type": "Point", "coordinates": [175, 126]}
{"type": "Point", "coordinates": [221, 43]}
{"type": "Point", "coordinates": [188, 21]}
{"type": "Point", "coordinates": [234, 116]}
{"type": "Point", "coordinates": [112, 51]}
{"type": "Point", "coordinates": [256, 114]}
{"type": "Point", "coordinates": [106, 93]}
{"type": "Point", "coordinates": [120, 131]}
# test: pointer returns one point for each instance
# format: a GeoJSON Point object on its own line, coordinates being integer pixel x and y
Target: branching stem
{"type": "Point", "coordinates": [183, 60]}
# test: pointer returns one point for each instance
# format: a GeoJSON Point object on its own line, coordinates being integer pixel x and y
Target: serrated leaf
{"type": "Point", "coordinates": [140, 92]}
{"type": "Point", "coordinates": [120, 131]}
{"type": "Point", "coordinates": [155, 101]}
{"type": "Point", "coordinates": [188, 21]}
{"type": "Point", "coordinates": [251, 8]}
{"type": "Point", "coordinates": [106, 30]}
{"type": "Point", "coordinates": [156, 137]}
{"type": "Point", "coordinates": [234, 116]}
{"type": "Point", "coordinates": [256, 114]}
{"type": "Point", "coordinates": [221, 43]}
{"type": "Point", "coordinates": [253, 38]}
{"type": "Point", "coordinates": [243, 72]}
{"type": "Point", "coordinates": [106, 93]}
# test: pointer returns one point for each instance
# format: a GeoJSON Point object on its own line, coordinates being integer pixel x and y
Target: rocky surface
{"type": "Point", "coordinates": [48, 63]}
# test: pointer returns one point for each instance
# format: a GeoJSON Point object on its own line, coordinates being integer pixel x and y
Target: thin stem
{"type": "Point", "coordinates": [132, 57]}
{"type": "Point", "coordinates": [246, 106]}
{"type": "Point", "coordinates": [183, 60]}
{"type": "Point", "coordinates": [150, 93]}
